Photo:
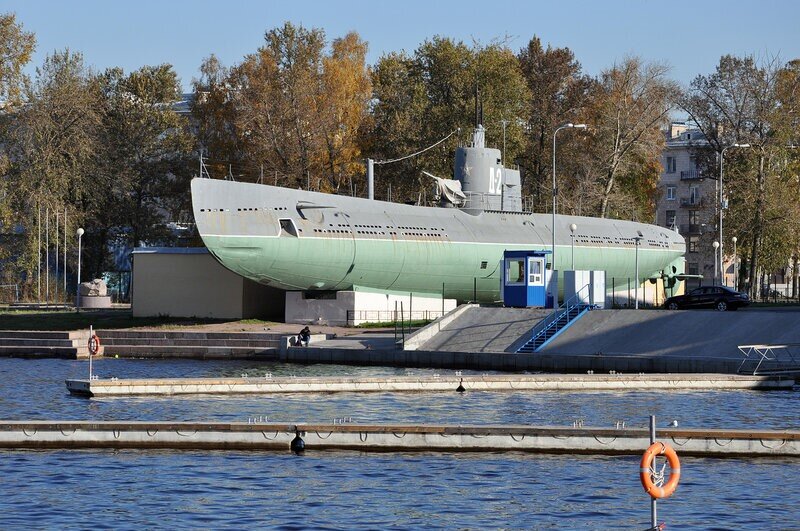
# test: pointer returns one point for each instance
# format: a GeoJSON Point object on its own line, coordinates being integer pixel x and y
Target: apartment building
{"type": "Point", "coordinates": [688, 200]}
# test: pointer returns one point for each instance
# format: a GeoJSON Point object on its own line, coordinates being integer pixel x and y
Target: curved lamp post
{"type": "Point", "coordinates": [555, 193]}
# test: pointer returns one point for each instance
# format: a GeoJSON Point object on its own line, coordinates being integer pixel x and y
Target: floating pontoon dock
{"type": "Point", "coordinates": [434, 383]}
{"type": "Point", "coordinates": [391, 437]}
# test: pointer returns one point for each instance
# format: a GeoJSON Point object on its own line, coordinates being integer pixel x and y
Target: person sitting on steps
{"type": "Point", "coordinates": [304, 337]}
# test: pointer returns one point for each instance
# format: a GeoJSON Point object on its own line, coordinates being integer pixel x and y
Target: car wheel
{"type": "Point", "coordinates": [721, 306]}
{"type": "Point", "coordinates": [672, 306]}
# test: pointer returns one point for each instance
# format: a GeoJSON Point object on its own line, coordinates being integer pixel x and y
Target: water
{"type": "Point", "coordinates": [352, 490]}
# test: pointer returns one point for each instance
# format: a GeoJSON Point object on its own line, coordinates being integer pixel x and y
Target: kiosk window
{"type": "Point", "coordinates": [515, 271]}
{"type": "Point", "coordinates": [536, 272]}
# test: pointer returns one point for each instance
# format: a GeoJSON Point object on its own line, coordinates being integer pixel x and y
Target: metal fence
{"type": "Point", "coordinates": [355, 317]}
{"type": "Point", "coordinates": [9, 293]}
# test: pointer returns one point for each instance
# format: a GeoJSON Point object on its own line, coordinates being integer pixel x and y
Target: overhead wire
{"type": "Point", "coordinates": [390, 161]}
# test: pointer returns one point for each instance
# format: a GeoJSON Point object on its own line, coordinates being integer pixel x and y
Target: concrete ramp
{"type": "Point", "coordinates": [485, 329]}
{"type": "Point", "coordinates": [687, 334]}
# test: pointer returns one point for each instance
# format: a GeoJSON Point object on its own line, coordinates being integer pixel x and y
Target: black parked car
{"type": "Point", "coordinates": [717, 297]}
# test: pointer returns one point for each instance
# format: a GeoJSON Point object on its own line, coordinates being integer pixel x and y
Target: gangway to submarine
{"type": "Point", "coordinates": [551, 326]}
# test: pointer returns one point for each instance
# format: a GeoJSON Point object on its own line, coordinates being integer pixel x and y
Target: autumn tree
{"type": "Point", "coordinates": [16, 48]}
{"type": "Point", "coordinates": [214, 115]}
{"type": "Point", "coordinates": [292, 108]}
{"type": "Point", "coordinates": [421, 99]}
{"type": "Point", "coordinates": [628, 111]}
{"type": "Point", "coordinates": [747, 101]}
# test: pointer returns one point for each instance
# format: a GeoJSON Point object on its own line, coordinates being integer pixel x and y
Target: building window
{"type": "Point", "coordinates": [670, 193]}
{"type": "Point", "coordinates": [692, 268]}
{"type": "Point", "coordinates": [693, 244]}
{"type": "Point", "coordinates": [670, 164]}
{"type": "Point", "coordinates": [670, 218]}
{"type": "Point", "coordinates": [688, 136]}
{"type": "Point", "coordinates": [694, 218]}
{"type": "Point", "coordinates": [694, 195]}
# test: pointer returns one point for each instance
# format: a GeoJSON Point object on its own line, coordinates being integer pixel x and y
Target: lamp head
{"type": "Point", "coordinates": [715, 245]}
{"type": "Point", "coordinates": [79, 232]}
{"type": "Point", "coordinates": [573, 227]}
{"type": "Point", "coordinates": [734, 239]}
{"type": "Point", "coordinates": [581, 126]}
{"type": "Point", "coordinates": [741, 145]}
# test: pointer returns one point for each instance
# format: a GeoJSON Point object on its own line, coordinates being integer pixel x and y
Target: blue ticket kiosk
{"type": "Point", "coordinates": [524, 279]}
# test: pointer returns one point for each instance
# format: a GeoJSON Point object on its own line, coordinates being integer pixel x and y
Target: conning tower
{"type": "Point", "coordinates": [485, 182]}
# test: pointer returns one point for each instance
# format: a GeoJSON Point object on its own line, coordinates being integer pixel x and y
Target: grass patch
{"type": "Point", "coordinates": [71, 320]}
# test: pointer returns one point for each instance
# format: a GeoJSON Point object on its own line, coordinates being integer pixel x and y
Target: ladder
{"type": "Point", "coordinates": [570, 311]}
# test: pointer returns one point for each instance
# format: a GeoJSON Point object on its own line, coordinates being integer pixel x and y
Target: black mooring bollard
{"type": "Point", "coordinates": [298, 445]}
{"type": "Point", "coordinates": [460, 388]}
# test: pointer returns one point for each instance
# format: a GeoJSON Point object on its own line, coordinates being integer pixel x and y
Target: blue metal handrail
{"type": "Point", "coordinates": [551, 320]}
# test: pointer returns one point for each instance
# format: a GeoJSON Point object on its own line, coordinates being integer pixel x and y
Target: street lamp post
{"type": "Point", "coordinates": [555, 193]}
{"type": "Point", "coordinates": [716, 263]}
{"type": "Point", "coordinates": [636, 280]}
{"type": "Point", "coordinates": [735, 266]}
{"type": "Point", "coordinates": [572, 228]}
{"type": "Point", "coordinates": [721, 160]}
{"type": "Point", "coordinates": [79, 234]}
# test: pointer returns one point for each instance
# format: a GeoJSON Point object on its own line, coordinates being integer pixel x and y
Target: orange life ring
{"type": "Point", "coordinates": [94, 345]}
{"type": "Point", "coordinates": [647, 472]}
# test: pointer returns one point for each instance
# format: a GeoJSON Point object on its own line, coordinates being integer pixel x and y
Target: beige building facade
{"type": "Point", "coordinates": [189, 282]}
{"type": "Point", "coordinates": [688, 201]}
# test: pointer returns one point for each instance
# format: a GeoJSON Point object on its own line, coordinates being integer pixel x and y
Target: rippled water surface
{"type": "Point", "coordinates": [347, 490]}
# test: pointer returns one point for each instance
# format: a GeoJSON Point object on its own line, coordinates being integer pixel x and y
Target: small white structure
{"type": "Point", "coordinates": [348, 308]}
{"type": "Point", "coordinates": [595, 281]}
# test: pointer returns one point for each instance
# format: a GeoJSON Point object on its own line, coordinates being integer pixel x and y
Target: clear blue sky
{"type": "Point", "coordinates": [689, 35]}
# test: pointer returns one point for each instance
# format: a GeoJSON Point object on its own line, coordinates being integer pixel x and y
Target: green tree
{"type": "Point", "coordinates": [52, 142]}
{"type": "Point", "coordinates": [143, 159]}
{"type": "Point", "coordinates": [558, 94]}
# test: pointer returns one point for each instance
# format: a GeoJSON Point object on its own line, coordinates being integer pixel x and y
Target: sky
{"type": "Point", "coordinates": [690, 36]}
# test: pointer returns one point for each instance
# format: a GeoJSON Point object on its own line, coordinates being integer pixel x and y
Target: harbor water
{"type": "Point", "coordinates": [352, 490]}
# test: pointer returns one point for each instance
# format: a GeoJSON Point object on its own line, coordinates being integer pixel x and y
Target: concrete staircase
{"type": "Point", "coordinates": [193, 345]}
{"type": "Point", "coordinates": [34, 344]}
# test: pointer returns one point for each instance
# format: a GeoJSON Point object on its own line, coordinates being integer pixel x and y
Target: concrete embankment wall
{"type": "Point", "coordinates": [687, 334]}
{"type": "Point", "coordinates": [244, 436]}
{"type": "Point", "coordinates": [507, 361]}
